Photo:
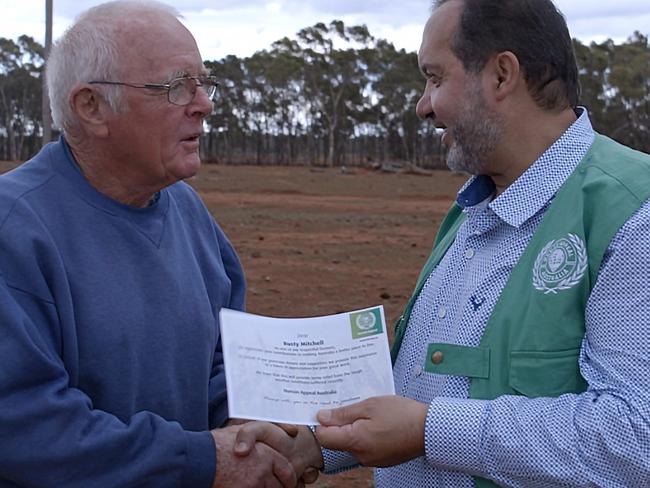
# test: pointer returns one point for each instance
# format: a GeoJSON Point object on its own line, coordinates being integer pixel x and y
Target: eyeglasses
{"type": "Point", "coordinates": [180, 91]}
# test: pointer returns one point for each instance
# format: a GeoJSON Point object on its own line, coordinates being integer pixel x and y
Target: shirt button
{"type": "Point", "coordinates": [442, 312]}
{"type": "Point", "coordinates": [469, 254]}
{"type": "Point", "coordinates": [437, 357]}
{"type": "Point", "coordinates": [417, 370]}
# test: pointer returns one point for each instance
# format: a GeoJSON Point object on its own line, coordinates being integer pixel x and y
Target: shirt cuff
{"type": "Point", "coordinates": [201, 460]}
{"type": "Point", "coordinates": [337, 461]}
{"type": "Point", "coordinates": [453, 433]}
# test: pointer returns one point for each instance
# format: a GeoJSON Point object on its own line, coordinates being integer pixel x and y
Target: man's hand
{"type": "Point", "coordinates": [296, 443]}
{"type": "Point", "coordinates": [262, 467]}
{"type": "Point", "coordinates": [380, 431]}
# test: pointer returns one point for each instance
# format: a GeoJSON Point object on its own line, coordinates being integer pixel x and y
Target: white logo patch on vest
{"type": "Point", "coordinates": [560, 265]}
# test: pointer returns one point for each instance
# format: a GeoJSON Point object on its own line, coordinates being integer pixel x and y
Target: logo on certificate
{"type": "Point", "coordinates": [366, 323]}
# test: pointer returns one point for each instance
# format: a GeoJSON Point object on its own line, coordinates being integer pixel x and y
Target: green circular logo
{"type": "Point", "coordinates": [366, 320]}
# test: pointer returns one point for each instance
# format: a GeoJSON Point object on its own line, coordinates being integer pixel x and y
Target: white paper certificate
{"type": "Point", "coordinates": [285, 370]}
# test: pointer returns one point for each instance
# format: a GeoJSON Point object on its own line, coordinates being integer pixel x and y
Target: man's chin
{"type": "Point", "coordinates": [458, 162]}
{"type": "Point", "coordinates": [188, 168]}
{"type": "Point", "coordinates": [459, 169]}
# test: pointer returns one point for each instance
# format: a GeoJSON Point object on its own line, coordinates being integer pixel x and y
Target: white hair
{"type": "Point", "coordinates": [89, 51]}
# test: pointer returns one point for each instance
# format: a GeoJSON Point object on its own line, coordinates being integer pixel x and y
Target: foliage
{"type": "Point", "coordinates": [615, 81]}
{"type": "Point", "coordinates": [21, 66]}
{"type": "Point", "coordinates": [334, 95]}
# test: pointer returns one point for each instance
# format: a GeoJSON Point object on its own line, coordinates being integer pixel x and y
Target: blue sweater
{"type": "Point", "coordinates": [112, 369]}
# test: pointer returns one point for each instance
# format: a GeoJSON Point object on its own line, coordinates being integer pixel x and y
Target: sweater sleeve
{"type": "Point", "coordinates": [218, 399]}
{"type": "Point", "coordinates": [52, 435]}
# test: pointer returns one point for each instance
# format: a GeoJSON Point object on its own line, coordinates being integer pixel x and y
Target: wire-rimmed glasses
{"type": "Point", "coordinates": [180, 91]}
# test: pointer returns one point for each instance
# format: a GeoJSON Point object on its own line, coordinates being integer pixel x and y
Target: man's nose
{"type": "Point", "coordinates": [201, 104]}
{"type": "Point", "coordinates": [423, 109]}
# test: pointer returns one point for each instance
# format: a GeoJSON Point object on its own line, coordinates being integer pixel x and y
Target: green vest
{"type": "Point", "coordinates": [532, 340]}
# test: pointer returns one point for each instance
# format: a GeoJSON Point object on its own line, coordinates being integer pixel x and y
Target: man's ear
{"type": "Point", "coordinates": [90, 109]}
{"type": "Point", "coordinates": [506, 74]}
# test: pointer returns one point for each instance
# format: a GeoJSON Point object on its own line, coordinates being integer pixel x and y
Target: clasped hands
{"type": "Point", "coordinates": [379, 431]}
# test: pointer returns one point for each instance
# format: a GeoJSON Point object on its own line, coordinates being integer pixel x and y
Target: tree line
{"type": "Point", "coordinates": [333, 95]}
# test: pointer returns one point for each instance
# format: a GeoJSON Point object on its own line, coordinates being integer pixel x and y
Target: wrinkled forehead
{"type": "Point", "coordinates": [158, 43]}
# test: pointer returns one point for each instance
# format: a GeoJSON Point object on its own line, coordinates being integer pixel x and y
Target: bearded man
{"type": "Point", "coordinates": [523, 356]}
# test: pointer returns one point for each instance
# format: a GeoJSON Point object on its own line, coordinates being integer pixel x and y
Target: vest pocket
{"type": "Point", "coordinates": [546, 373]}
{"type": "Point", "coordinates": [452, 359]}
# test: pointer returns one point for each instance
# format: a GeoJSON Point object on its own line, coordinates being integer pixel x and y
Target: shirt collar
{"type": "Point", "coordinates": [539, 183]}
{"type": "Point", "coordinates": [476, 190]}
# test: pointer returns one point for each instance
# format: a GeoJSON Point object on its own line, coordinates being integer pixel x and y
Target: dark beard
{"type": "Point", "coordinates": [474, 136]}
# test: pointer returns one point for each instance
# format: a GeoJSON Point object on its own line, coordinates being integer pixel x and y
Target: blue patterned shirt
{"type": "Point", "coordinates": [598, 438]}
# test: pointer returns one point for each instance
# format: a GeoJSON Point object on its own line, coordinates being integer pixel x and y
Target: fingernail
{"type": "Point", "coordinates": [241, 447]}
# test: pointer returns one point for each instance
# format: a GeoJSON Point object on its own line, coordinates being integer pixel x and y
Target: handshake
{"type": "Point", "coordinates": [374, 431]}
{"type": "Point", "coordinates": [261, 454]}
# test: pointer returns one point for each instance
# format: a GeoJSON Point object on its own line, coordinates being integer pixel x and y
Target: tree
{"type": "Point", "coordinates": [21, 67]}
{"type": "Point", "coordinates": [334, 95]}
{"type": "Point", "coordinates": [46, 115]}
{"type": "Point", "coordinates": [629, 90]}
{"type": "Point", "coordinates": [397, 86]}
{"type": "Point", "coordinates": [334, 78]}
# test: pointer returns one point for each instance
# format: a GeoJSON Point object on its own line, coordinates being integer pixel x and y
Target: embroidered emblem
{"type": "Point", "coordinates": [560, 265]}
{"type": "Point", "coordinates": [476, 302]}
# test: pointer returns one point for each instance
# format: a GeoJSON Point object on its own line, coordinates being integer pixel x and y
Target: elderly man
{"type": "Point", "coordinates": [523, 357]}
{"type": "Point", "coordinates": [113, 273]}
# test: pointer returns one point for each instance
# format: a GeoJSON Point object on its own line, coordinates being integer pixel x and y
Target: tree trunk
{"type": "Point", "coordinates": [45, 99]}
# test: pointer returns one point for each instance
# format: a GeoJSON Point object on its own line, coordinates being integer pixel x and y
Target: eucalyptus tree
{"type": "Point", "coordinates": [21, 66]}
{"type": "Point", "coordinates": [615, 82]}
{"type": "Point", "coordinates": [397, 86]}
{"type": "Point", "coordinates": [228, 125]}
{"type": "Point", "coordinates": [275, 84]}
{"type": "Point", "coordinates": [594, 71]}
{"type": "Point", "coordinates": [284, 87]}
{"type": "Point", "coordinates": [334, 78]}
{"type": "Point", "coordinates": [630, 91]}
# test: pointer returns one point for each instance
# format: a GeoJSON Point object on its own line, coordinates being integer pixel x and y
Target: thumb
{"type": "Point", "coordinates": [343, 415]}
{"type": "Point", "coordinates": [253, 432]}
{"type": "Point", "coordinates": [335, 437]}
{"type": "Point", "coordinates": [244, 442]}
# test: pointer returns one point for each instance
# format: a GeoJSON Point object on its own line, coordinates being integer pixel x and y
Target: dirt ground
{"type": "Point", "coordinates": [321, 242]}
{"type": "Point", "coordinates": [315, 242]}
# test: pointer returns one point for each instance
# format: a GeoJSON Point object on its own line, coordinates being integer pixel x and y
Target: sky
{"type": "Point", "coordinates": [242, 27]}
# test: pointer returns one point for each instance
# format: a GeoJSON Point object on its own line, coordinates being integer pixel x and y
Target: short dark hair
{"type": "Point", "coordinates": [533, 30]}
